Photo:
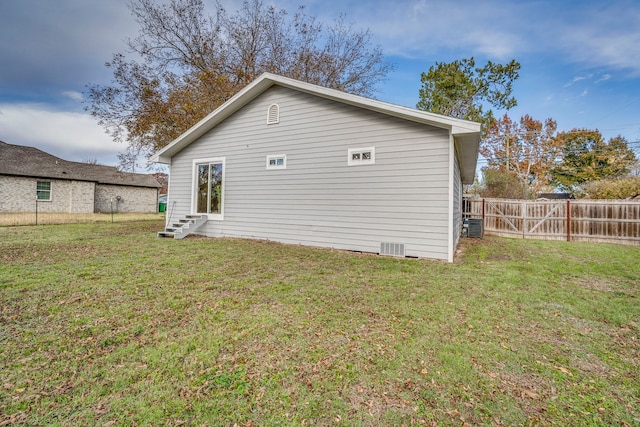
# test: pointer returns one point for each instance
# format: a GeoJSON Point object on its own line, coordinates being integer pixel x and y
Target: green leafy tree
{"type": "Point", "coordinates": [187, 64]}
{"type": "Point", "coordinates": [586, 157]}
{"type": "Point", "coordinates": [462, 90]}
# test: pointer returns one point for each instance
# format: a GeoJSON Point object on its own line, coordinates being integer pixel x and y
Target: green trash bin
{"type": "Point", "coordinates": [162, 203]}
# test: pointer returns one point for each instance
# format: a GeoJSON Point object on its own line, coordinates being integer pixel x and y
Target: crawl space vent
{"type": "Point", "coordinates": [392, 249]}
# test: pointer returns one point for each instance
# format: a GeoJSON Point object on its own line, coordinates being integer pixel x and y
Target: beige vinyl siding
{"type": "Point", "coordinates": [318, 199]}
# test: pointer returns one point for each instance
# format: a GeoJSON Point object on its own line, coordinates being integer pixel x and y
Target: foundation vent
{"type": "Point", "coordinates": [392, 249]}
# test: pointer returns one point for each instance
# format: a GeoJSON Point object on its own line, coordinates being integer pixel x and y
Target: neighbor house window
{"type": "Point", "coordinates": [361, 156]}
{"type": "Point", "coordinates": [209, 186]}
{"type": "Point", "coordinates": [43, 190]}
{"type": "Point", "coordinates": [277, 161]}
{"type": "Point", "coordinates": [273, 114]}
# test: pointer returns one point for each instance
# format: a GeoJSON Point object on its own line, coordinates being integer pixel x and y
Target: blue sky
{"type": "Point", "coordinates": [580, 59]}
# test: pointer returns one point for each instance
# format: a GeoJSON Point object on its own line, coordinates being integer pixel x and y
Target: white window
{"type": "Point", "coordinates": [43, 190]}
{"type": "Point", "coordinates": [208, 187]}
{"type": "Point", "coordinates": [273, 114]}
{"type": "Point", "coordinates": [361, 156]}
{"type": "Point", "coordinates": [278, 161]}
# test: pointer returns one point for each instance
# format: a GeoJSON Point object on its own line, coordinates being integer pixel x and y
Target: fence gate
{"type": "Point", "coordinates": [590, 220]}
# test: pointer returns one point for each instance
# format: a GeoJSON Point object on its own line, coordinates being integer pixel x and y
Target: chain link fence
{"type": "Point", "coordinates": [41, 217]}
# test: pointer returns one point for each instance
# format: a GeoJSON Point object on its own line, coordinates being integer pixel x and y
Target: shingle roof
{"type": "Point", "coordinates": [19, 160]}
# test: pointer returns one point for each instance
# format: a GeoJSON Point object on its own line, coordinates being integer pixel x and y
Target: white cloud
{"type": "Point", "coordinates": [596, 34]}
{"type": "Point", "coordinates": [578, 79]}
{"type": "Point", "coordinates": [60, 42]}
{"type": "Point", "coordinates": [423, 28]}
{"type": "Point", "coordinates": [73, 94]}
{"type": "Point", "coordinates": [604, 78]}
{"type": "Point", "coordinates": [602, 35]}
{"type": "Point", "coordinates": [68, 135]}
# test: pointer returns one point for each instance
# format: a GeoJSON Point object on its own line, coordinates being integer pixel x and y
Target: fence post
{"type": "Point", "coordinates": [36, 210]}
{"type": "Point", "coordinates": [483, 212]}
{"type": "Point", "coordinates": [568, 221]}
{"type": "Point", "coordinates": [523, 208]}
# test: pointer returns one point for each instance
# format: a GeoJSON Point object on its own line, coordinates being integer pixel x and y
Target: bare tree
{"type": "Point", "coordinates": [189, 63]}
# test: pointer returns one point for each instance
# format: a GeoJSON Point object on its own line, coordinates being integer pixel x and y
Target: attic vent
{"type": "Point", "coordinates": [392, 249]}
{"type": "Point", "coordinates": [273, 114]}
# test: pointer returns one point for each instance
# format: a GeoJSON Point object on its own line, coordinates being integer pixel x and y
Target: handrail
{"type": "Point", "coordinates": [168, 221]}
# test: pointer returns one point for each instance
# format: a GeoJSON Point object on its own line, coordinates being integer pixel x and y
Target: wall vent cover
{"type": "Point", "coordinates": [392, 249]}
{"type": "Point", "coordinates": [273, 114]}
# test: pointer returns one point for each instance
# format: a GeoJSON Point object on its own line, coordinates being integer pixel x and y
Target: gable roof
{"type": "Point", "coordinates": [18, 160]}
{"type": "Point", "coordinates": [465, 133]}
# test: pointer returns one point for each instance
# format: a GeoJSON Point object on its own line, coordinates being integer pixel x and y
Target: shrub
{"type": "Point", "coordinates": [622, 188]}
{"type": "Point", "coordinates": [504, 185]}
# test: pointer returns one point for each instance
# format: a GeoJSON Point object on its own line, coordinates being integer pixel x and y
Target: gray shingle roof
{"type": "Point", "coordinates": [19, 160]}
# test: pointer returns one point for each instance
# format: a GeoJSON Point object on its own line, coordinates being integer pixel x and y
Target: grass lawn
{"type": "Point", "coordinates": [105, 324]}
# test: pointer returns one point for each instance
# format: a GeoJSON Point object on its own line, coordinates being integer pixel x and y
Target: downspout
{"type": "Point", "coordinates": [167, 218]}
{"type": "Point", "coordinates": [450, 196]}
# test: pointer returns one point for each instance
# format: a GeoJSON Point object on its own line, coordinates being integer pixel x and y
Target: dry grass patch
{"type": "Point", "coordinates": [44, 218]}
{"type": "Point", "coordinates": [108, 325]}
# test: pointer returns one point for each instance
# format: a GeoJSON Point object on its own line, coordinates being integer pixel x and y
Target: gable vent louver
{"type": "Point", "coordinates": [273, 114]}
{"type": "Point", "coordinates": [392, 249]}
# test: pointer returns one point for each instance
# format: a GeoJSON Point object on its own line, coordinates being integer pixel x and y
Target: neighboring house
{"type": "Point", "coordinates": [29, 176]}
{"type": "Point", "coordinates": [555, 196]}
{"type": "Point", "coordinates": [297, 163]}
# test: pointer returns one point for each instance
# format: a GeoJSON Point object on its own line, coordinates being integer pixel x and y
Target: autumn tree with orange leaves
{"type": "Point", "coordinates": [187, 63]}
{"type": "Point", "coordinates": [526, 148]}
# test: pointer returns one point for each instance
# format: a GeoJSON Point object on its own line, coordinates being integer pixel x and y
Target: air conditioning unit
{"type": "Point", "coordinates": [475, 227]}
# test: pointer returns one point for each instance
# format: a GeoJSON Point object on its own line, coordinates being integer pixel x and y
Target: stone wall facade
{"type": "Point", "coordinates": [132, 199]}
{"type": "Point", "coordinates": [18, 194]}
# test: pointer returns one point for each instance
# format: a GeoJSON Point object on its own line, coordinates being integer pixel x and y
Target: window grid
{"type": "Point", "coordinates": [43, 190]}
{"type": "Point", "coordinates": [277, 161]}
{"type": "Point", "coordinates": [361, 156]}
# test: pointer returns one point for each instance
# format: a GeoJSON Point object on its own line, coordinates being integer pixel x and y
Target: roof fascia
{"type": "Point", "coordinates": [457, 126]}
{"type": "Point", "coordinates": [266, 80]}
{"type": "Point", "coordinates": [232, 105]}
{"type": "Point", "coordinates": [46, 177]}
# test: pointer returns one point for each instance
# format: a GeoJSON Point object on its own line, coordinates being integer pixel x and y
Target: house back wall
{"type": "Point", "coordinates": [318, 199]}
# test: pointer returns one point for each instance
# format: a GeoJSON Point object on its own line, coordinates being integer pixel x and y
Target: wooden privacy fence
{"type": "Point", "coordinates": [615, 221]}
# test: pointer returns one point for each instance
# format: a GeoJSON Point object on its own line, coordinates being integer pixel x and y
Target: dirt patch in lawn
{"type": "Point", "coordinates": [599, 284]}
